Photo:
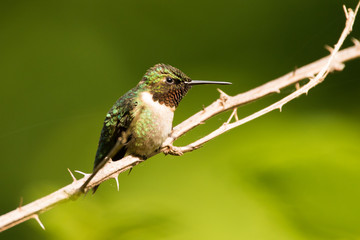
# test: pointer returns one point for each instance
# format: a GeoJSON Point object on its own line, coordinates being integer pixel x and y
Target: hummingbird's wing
{"type": "Point", "coordinates": [116, 123]}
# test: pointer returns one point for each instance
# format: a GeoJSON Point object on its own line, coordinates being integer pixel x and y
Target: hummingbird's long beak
{"type": "Point", "coordinates": [200, 82]}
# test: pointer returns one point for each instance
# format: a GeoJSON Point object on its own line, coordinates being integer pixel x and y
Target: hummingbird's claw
{"type": "Point", "coordinates": [172, 150]}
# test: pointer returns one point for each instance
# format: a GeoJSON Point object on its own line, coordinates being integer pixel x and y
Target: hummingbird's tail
{"type": "Point", "coordinates": [95, 188]}
{"type": "Point", "coordinates": [99, 164]}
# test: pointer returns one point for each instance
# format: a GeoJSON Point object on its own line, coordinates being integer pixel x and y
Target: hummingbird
{"type": "Point", "coordinates": [140, 121]}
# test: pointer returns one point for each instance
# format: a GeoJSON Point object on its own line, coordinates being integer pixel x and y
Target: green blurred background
{"type": "Point", "coordinates": [289, 175]}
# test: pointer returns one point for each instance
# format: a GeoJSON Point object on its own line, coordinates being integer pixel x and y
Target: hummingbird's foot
{"type": "Point", "coordinates": [172, 150]}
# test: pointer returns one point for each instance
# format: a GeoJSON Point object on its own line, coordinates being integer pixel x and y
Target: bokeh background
{"type": "Point", "coordinates": [289, 175]}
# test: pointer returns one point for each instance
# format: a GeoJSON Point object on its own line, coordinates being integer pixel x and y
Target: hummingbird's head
{"type": "Point", "coordinates": [168, 85]}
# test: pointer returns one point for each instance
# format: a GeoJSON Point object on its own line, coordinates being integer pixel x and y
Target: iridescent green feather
{"type": "Point", "coordinates": [118, 119]}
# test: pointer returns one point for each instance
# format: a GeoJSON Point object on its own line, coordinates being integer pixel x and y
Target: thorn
{"type": "Point", "coordinates": [117, 182]}
{"type": "Point", "coordinates": [356, 42]}
{"type": "Point", "coordinates": [21, 202]}
{"type": "Point", "coordinates": [330, 49]}
{"type": "Point", "coordinates": [277, 90]}
{"type": "Point", "coordinates": [294, 71]}
{"type": "Point", "coordinates": [36, 217]}
{"type": "Point", "coordinates": [346, 12]}
{"type": "Point", "coordinates": [297, 86]}
{"type": "Point", "coordinates": [337, 66]}
{"type": "Point", "coordinates": [280, 108]}
{"type": "Point", "coordinates": [85, 174]}
{"type": "Point", "coordinates": [306, 92]}
{"type": "Point", "coordinates": [203, 108]}
{"type": "Point", "coordinates": [72, 175]}
{"type": "Point", "coordinates": [202, 122]}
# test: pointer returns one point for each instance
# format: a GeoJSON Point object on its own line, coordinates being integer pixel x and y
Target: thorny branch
{"type": "Point", "coordinates": [331, 63]}
{"type": "Point", "coordinates": [316, 72]}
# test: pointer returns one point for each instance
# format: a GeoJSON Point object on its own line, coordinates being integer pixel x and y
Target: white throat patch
{"type": "Point", "coordinates": [147, 99]}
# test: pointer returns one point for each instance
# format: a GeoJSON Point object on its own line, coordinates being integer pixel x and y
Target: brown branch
{"type": "Point", "coordinates": [321, 67]}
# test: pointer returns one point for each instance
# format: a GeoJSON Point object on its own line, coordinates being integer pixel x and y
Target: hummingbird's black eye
{"type": "Point", "coordinates": [169, 80]}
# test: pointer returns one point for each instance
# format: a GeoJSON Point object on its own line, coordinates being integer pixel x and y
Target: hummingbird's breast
{"type": "Point", "coordinates": [152, 124]}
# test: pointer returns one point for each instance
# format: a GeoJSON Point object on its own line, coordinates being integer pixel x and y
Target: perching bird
{"type": "Point", "coordinates": [141, 120]}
